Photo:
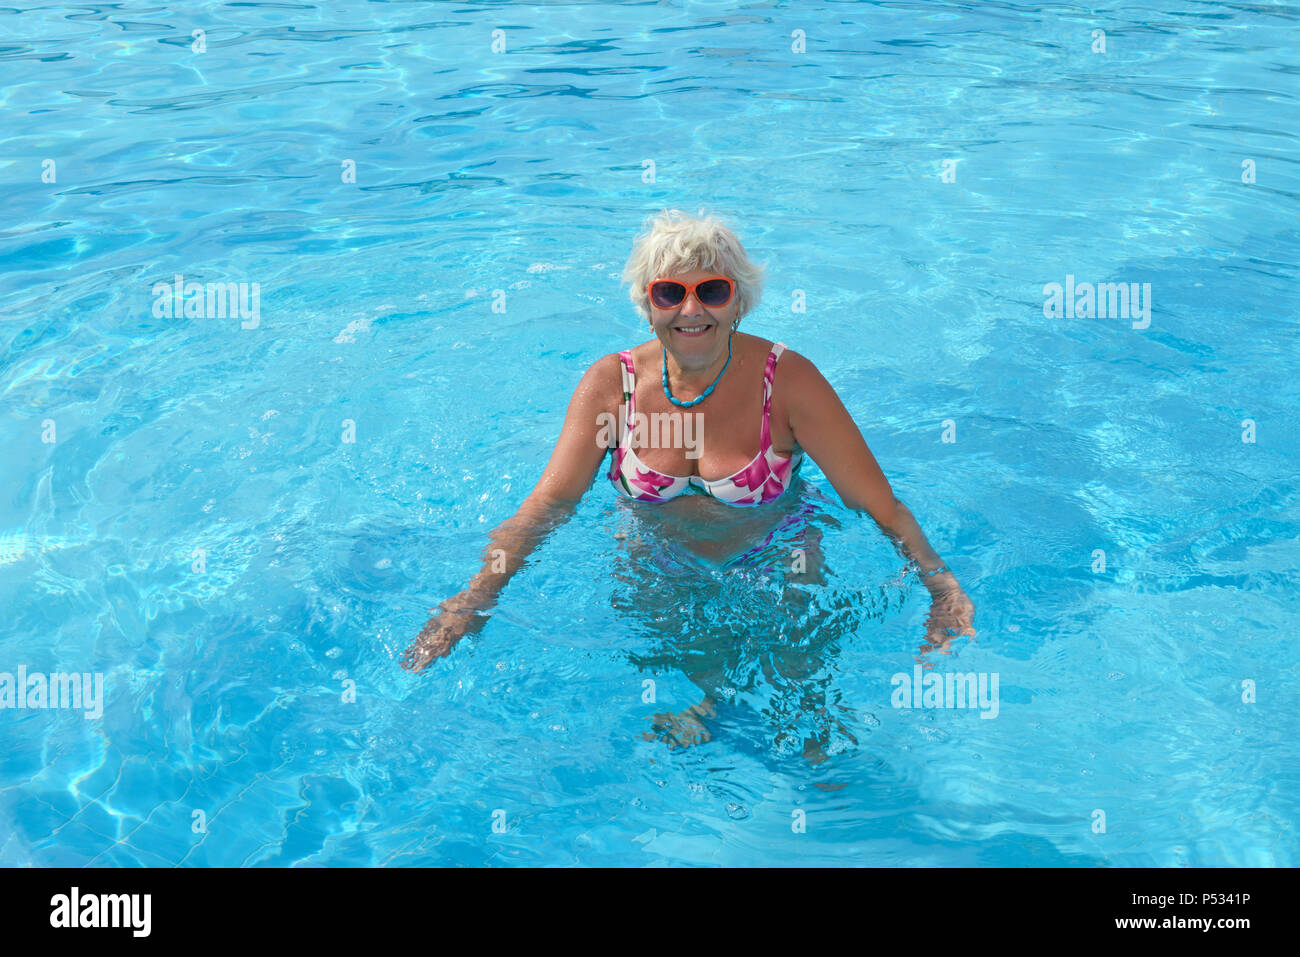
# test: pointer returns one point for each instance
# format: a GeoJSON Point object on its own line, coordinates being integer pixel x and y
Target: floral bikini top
{"type": "Point", "coordinates": [759, 482]}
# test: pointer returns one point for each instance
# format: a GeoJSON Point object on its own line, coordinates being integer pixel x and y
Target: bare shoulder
{"type": "Point", "coordinates": [605, 368]}
{"type": "Point", "coordinates": [801, 390]}
{"type": "Point", "coordinates": [797, 370]}
{"type": "Point", "coordinates": [602, 383]}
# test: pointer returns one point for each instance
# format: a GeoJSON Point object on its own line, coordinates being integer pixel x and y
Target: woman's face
{"type": "Point", "coordinates": [690, 329]}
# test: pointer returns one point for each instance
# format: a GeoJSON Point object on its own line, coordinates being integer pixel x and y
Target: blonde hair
{"type": "Point", "coordinates": [674, 242]}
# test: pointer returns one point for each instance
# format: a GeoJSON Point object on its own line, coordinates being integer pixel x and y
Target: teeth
{"type": "Point", "coordinates": [691, 328]}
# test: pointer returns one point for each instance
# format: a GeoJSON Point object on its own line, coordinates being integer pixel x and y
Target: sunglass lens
{"type": "Point", "coordinates": [667, 294]}
{"type": "Point", "coordinates": [715, 292]}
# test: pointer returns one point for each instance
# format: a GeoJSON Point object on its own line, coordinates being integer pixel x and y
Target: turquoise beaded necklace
{"type": "Point", "coordinates": [703, 395]}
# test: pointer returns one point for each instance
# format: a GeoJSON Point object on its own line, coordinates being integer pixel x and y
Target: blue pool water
{"type": "Point", "coordinates": [1126, 733]}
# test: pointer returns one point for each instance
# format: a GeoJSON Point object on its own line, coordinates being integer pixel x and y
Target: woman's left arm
{"type": "Point", "coordinates": [826, 431]}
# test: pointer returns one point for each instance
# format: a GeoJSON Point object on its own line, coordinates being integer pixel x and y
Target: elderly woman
{"type": "Point", "coordinates": [693, 282]}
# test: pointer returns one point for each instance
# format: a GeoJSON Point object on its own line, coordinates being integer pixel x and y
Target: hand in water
{"type": "Point", "coordinates": [457, 617]}
{"type": "Point", "coordinates": [683, 729]}
{"type": "Point", "coordinates": [951, 615]}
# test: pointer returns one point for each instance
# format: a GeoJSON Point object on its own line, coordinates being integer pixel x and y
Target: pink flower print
{"type": "Point", "coordinates": [772, 490]}
{"type": "Point", "coordinates": [755, 474]}
{"type": "Point", "coordinates": [650, 481]}
{"type": "Point", "coordinates": [616, 465]}
{"type": "Point", "coordinates": [781, 469]}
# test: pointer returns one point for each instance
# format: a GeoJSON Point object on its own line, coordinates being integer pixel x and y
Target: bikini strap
{"type": "Point", "coordinates": [629, 394]}
{"type": "Point", "coordinates": [769, 374]}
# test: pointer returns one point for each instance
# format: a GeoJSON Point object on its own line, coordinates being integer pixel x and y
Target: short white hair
{"type": "Point", "coordinates": [675, 242]}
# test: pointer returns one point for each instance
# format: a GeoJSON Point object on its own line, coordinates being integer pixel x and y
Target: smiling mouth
{"type": "Point", "coordinates": [696, 330]}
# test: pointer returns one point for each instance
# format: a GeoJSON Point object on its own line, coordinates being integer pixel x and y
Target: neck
{"type": "Point", "coordinates": [695, 379]}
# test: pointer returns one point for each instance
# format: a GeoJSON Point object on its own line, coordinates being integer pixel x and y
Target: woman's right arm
{"type": "Point", "coordinates": [567, 476]}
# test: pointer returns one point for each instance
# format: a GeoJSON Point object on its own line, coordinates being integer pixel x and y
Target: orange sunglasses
{"type": "Point", "coordinates": [714, 292]}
